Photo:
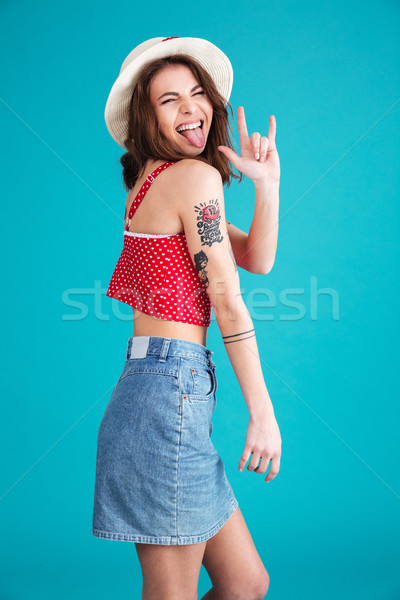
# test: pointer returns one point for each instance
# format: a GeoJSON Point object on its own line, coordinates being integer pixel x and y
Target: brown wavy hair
{"type": "Point", "coordinates": [145, 140]}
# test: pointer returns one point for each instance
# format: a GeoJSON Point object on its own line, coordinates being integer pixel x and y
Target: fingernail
{"type": "Point", "coordinates": [262, 159]}
{"type": "Point", "coordinates": [257, 156]}
{"type": "Point", "coordinates": [240, 468]}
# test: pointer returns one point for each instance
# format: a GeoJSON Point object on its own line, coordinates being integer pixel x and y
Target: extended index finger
{"type": "Point", "coordinates": [242, 127]}
{"type": "Point", "coordinates": [272, 132]}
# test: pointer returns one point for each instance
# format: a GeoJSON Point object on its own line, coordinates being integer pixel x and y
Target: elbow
{"type": "Point", "coordinates": [262, 269]}
{"type": "Point", "coordinates": [229, 307]}
{"type": "Point", "coordinates": [258, 267]}
{"type": "Point", "coordinates": [254, 267]}
{"type": "Point", "coordinates": [267, 265]}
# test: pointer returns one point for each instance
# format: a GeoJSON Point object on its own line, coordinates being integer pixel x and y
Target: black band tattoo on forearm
{"type": "Point", "coordinates": [208, 222]}
{"type": "Point", "coordinates": [236, 334]}
{"type": "Point", "coordinates": [241, 339]}
{"type": "Point", "coordinates": [224, 337]}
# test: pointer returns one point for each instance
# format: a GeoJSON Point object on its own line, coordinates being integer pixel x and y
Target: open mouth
{"type": "Point", "coordinates": [201, 127]}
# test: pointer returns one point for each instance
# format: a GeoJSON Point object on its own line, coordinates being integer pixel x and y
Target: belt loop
{"type": "Point", "coordinates": [210, 360]}
{"type": "Point", "coordinates": [164, 350]}
{"type": "Point", "coordinates": [128, 349]}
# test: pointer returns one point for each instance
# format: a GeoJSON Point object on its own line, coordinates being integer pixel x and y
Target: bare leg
{"type": "Point", "coordinates": [230, 557]}
{"type": "Point", "coordinates": [233, 564]}
{"type": "Point", "coordinates": [170, 572]}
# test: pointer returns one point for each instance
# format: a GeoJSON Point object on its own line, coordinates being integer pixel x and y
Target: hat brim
{"type": "Point", "coordinates": [211, 58]}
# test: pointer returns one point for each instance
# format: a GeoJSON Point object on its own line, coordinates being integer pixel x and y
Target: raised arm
{"type": "Point", "coordinates": [201, 207]}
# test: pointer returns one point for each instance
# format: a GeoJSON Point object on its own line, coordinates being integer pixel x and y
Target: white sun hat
{"type": "Point", "coordinates": [210, 57]}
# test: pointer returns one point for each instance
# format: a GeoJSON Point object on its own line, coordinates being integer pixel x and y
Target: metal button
{"type": "Point", "coordinates": [185, 397]}
{"type": "Point", "coordinates": [193, 370]}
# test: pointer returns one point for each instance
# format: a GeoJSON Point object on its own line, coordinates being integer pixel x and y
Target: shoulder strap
{"type": "Point", "coordinates": [142, 192]}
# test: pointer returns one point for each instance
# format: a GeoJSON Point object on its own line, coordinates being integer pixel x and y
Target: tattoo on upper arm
{"type": "Point", "coordinates": [239, 336]}
{"type": "Point", "coordinates": [208, 222]}
{"type": "Point", "coordinates": [201, 260]}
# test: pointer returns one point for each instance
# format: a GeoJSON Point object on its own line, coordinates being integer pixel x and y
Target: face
{"type": "Point", "coordinates": [179, 99]}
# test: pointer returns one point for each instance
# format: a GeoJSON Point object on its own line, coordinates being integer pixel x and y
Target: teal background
{"type": "Point", "coordinates": [328, 526]}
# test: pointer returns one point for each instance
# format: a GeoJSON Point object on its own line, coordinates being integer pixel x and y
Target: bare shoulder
{"type": "Point", "coordinates": [192, 177]}
{"type": "Point", "coordinates": [192, 165]}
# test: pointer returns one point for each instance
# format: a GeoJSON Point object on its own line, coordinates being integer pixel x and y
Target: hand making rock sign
{"type": "Point", "coordinates": [258, 158]}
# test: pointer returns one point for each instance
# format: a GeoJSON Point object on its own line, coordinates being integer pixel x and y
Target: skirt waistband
{"type": "Point", "coordinates": [140, 346]}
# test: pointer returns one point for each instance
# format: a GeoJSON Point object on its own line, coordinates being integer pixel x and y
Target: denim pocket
{"type": "Point", "coordinates": [203, 384]}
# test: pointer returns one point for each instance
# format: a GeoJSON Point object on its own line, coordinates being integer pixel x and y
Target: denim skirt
{"type": "Point", "coordinates": [159, 478]}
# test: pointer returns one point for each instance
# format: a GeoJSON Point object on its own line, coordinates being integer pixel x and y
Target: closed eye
{"type": "Point", "coordinates": [165, 101]}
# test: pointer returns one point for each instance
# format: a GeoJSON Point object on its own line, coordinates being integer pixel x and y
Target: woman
{"type": "Point", "coordinates": [159, 480]}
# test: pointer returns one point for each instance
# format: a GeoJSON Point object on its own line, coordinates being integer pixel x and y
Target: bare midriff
{"type": "Point", "coordinates": [144, 324]}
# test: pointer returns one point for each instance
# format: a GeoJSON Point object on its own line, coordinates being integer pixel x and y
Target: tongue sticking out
{"type": "Point", "coordinates": [195, 136]}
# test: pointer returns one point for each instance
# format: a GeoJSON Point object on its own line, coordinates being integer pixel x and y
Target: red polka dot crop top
{"type": "Point", "coordinates": [155, 273]}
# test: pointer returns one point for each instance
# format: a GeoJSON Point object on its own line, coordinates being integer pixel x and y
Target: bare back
{"type": "Point", "coordinates": [158, 214]}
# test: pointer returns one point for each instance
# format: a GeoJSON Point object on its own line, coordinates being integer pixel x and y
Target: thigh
{"type": "Point", "coordinates": [170, 572]}
{"type": "Point", "coordinates": [233, 563]}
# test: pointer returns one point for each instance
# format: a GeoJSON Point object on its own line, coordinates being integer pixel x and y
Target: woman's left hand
{"type": "Point", "coordinates": [258, 158]}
